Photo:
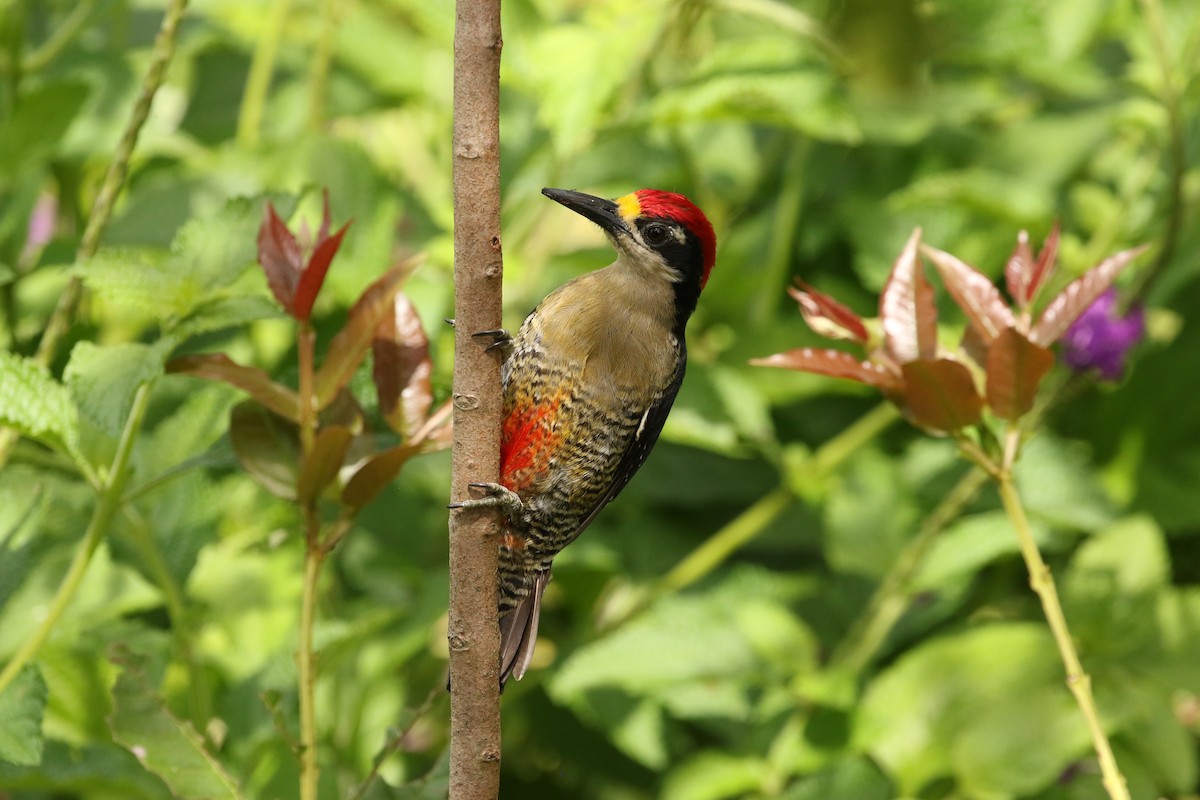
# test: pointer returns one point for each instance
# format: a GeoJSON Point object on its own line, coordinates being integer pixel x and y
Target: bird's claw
{"type": "Point", "coordinates": [494, 496]}
{"type": "Point", "coordinates": [500, 338]}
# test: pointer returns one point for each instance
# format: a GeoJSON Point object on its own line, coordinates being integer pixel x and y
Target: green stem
{"type": "Point", "coordinates": [199, 697]}
{"type": "Point", "coordinates": [114, 180]}
{"type": "Point", "coordinates": [318, 76]}
{"type": "Point", "coordinates": [314, 556]}
{"type": "Point", "coordinates": [831, 455]}
{"type": "Point", "coordinates": [892, 597]}
{"type": "Point", "coordinates": [1078, 681]}
{"type": "Point", "coordinates": [722, 544]}
{"type": "Point", "coordinates": [107, 504]}
{"type": "Point", "coordinates": [258, 80]}
{"type": "Point", "coordinates": [62, 35]}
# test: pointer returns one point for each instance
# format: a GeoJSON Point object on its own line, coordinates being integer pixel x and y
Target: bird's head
{"type": "Point", "coordinates": [661, 234]}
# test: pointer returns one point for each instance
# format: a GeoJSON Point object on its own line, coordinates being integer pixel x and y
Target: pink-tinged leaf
{"type": "Point", "coordinates": [1044, 267]}
{"type": "Point", "coordinates": [1015, 368]}
{"type": "Point", "coordinates": [375, 474]}
{"type": "Point", "coordinates": [906, 308]}
{"type": "Point", "coordinates": [268, 447]}
{"type": "Point", "coordinates": [827, 316]}
{"type": "Point", "coordinates": [974, 346]}
{"type": "Point", "coordinates": [280, 257]}
{"type": "Point", "coordinates": [1018, 272]}
{"type": "Point", "coordinates": [326, 217]}
{"type": "Point", "coordinates": [1077, 295]}
{"type": "Point", "coordinates": [403, 368]}
{"type": "Point", "coordinates": [313, 277]}
{"type": "Point", "coordinates": [323, 462]}
{"type": "Point", "coordinates": [349, 346]}
{"type": "Point", "coordinates": [255, 382]}
{"type": "Point", "coordinates": [833, 363]}
{"type": "Point", "coordinates": [975, 294]}
{"type": "Point", "coordinates": [939, 394]}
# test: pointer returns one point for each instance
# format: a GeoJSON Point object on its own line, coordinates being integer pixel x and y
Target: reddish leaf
{"type": "Point", "coordinates": [378, 471]}
{"type": "Point", "coordinates": [323, 462]}
{"type": "Point", "coordinates": [280, 257]}
{"type": "Point", "coordinates": [1015, 367]}
{"type": "Point", "coordinates": [268, 447]}
{"type": "Point", "coordinates": [827, 316]}
{"type": "Point", "coordinates": [403, 368]}
{"type": "Point", "coordinates": [1018, 272]}
{"type": "Point", "coordinates": [349, 346]}
{"type": "Point", "coordinates": [255, 382]}
{"type": "Point", "coordinates": [974, 346]}
{"type": "Point", "coordinates": [975, 294]}
{"type": "Point", "coordinates": [906, 309]}
{"type": "Point", "coordinates": [1080, 293]}
{"type": "Point", "coordinates": [314, 273]}
{"type": "Point", "coordinates": [833, 363]}
{"type": "Point", "coordinates": [1044, 268]}
{"type": "Point", "coordinates": [940, 394]}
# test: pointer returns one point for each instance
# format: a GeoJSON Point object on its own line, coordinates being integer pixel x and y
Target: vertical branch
{"type": "Point", "coordinates": [478, 267]}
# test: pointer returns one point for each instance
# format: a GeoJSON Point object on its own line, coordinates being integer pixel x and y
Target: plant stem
{"type": "Point", "coordinates": [318, 75]}
{"type": "Point", "coordinates": [1078, 681]}
{"type": "Point", "coordinates": [258, 80]}
{"type": "Point", "coordinates": [891, 598]}
{"type": "Point", "coordinates": [107, 504]}
{"type": "Point", "coordinates": [314, 556]}
{"type": "Point", "coordinates": [114, 181]}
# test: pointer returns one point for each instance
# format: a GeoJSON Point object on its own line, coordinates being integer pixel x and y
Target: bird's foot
{"type": "Point", "coordinates": [500, 338]}
{"type": "Point", "coordinates": [494, 496]}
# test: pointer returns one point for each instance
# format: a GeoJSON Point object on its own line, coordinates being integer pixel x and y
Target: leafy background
{"type": "Point", "coordinates": [704, 640]}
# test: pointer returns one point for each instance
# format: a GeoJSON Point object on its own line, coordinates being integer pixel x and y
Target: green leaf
{"type": "Point", "coordinates": [38, 122]}
{"type": "Point", "coordinates": [36, 405]}
{"type": "Point", "coordinates": [226, 312]}
{"type": "Point", "coordinates": [22, 705]}
{"type": "Point", "coordinates": [166, 745]}
{"type": "Point", "coordinates": [713, 775]}
{"type": "Point", "coordinates": [268, 447]}
{"type": "Point", "coordinates": [103, 379]}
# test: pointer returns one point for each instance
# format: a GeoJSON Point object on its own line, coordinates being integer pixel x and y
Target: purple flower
{"type": "Point", "coordinates": [1101, 337]}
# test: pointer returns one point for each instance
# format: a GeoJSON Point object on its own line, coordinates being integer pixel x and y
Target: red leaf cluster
{"type": "Point", "coordinates": [1005, 353]}
{"type": "Point", "coordinates": [294, 279]}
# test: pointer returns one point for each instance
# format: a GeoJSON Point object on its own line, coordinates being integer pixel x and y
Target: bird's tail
{"type": "Point", "coordinates": [518, 630]}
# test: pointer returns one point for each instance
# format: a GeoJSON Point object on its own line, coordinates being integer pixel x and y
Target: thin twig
{"type": "Point", "coordinates": [395, 739]}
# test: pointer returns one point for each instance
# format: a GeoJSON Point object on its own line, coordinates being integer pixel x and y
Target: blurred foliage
{"type": "Point", "coordinates": [816, 134]}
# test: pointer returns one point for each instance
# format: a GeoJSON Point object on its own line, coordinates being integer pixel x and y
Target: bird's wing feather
{"type": "Point", "coordinates": [641, 444]}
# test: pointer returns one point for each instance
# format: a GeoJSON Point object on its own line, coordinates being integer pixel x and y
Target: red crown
{"type": "Point", "coordinates": [656, 203]}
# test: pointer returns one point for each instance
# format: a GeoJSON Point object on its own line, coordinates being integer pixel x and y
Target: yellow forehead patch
{"type": "Point", "coordinates": [629, 206]}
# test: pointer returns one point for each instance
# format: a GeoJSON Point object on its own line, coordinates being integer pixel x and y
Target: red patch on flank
{"type": "Point", "coordinates": [657, 203]}
{"type": "Point", "coordinates": [512, 541]}
{"type": "Point", "coordinates": [526, 442]}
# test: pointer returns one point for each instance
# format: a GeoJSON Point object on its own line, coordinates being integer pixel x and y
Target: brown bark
{"type": "Point", "coordinates": [478, 268]}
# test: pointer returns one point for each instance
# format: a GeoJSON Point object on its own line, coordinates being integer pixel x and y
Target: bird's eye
{"type": "Point", "coordinates": [656, 234]}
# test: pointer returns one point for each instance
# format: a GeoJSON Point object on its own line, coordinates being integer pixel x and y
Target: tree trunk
{"type": "Point", "coordinates": [478, 268]}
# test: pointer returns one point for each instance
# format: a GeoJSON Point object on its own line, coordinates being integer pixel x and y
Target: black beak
{"type": "Point", "coordinates": [600, 211]}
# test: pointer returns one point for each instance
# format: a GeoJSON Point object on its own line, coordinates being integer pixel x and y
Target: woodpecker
{"type": "Point", "coordinates": [588, 382]}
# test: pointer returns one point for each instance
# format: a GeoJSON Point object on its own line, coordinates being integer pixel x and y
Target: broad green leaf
{"type": "Point", "coordinates": [222, 313]}
{"type": "Point", "coordinates": [37, 122]}
{"type": "Point", "coordinates": [1058, 484]}
{"type": "Point", "coordinates": [349, 346]}
{"type": "Point", "coordinates": [1015, 368]}
{"type": "Point", "coordinates": [36, 405]}
{"type": "Point", "coordinates": [22, 704]}
{"type": "Point", "coordinates": [166, 745]}
{"type": "Point", "coordinates": [856, 777]}
{"type": "Point", "coordinates": [103, 379]}
{"type": "Point", "coordinates": [870, 516]}
{"type": "Point", "coordinates": [214, 249]}
{"type": "Point", "coordinates": [940, 394]}
{"type": "Point", "coordinates": [268, 447]}
{"type": "Point", "coordinates": [713, 775]}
